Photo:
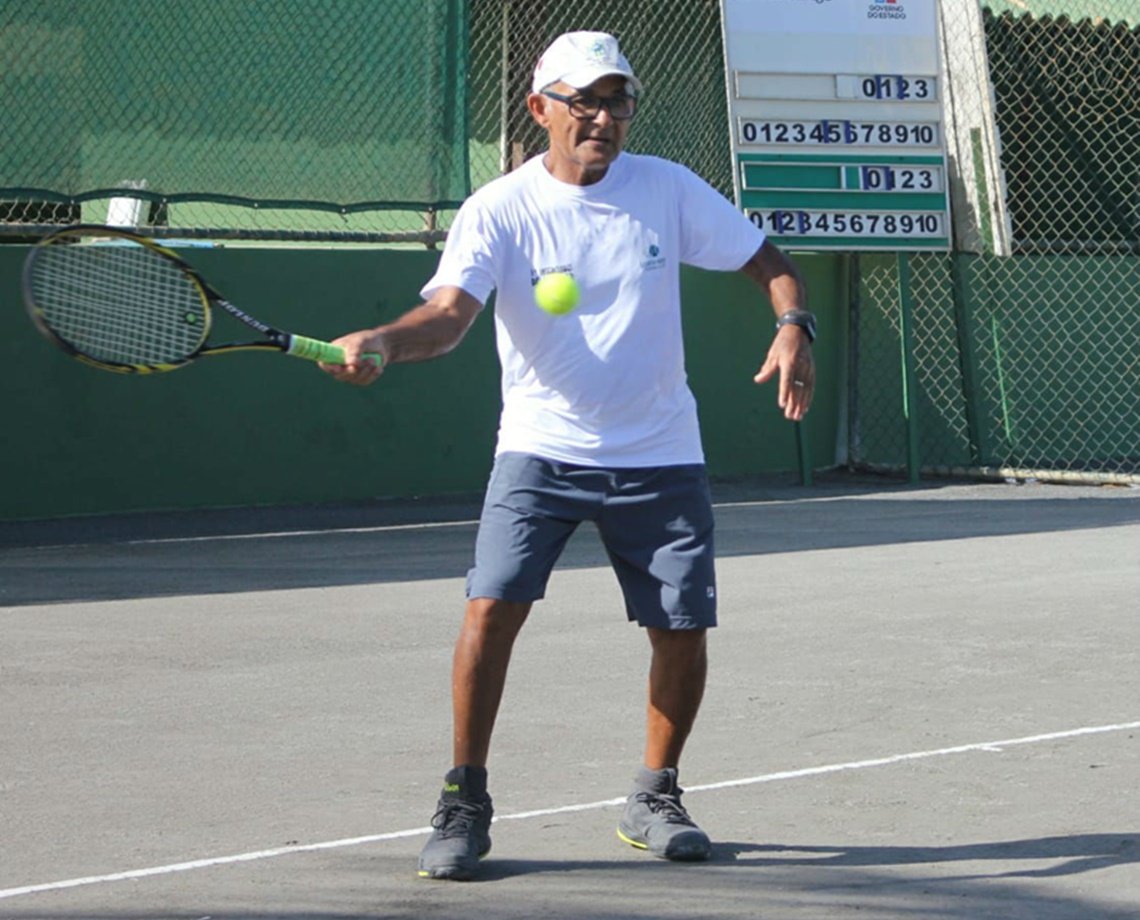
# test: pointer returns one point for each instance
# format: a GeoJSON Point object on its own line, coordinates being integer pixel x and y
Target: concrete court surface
{"type": "Point", "coordinates": [924, 702]}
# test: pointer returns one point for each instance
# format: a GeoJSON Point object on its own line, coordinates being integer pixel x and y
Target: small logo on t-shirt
{"type": "Point", "coordinates": [654, 258]}
{"type": "Point", "coordinates": [536, 273]}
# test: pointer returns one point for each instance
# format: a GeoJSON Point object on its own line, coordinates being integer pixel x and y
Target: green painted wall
{"type": "Point", "coordinates": [262, 429]}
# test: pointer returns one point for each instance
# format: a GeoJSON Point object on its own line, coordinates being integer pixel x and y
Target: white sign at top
{"type": "Point", "coordinates": [848, 34]}
{"type": "Point", "coordinates": [897, 17]}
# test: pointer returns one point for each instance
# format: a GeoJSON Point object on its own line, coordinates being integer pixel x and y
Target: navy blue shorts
{"type": "Point", "coordinates": [656, 524]}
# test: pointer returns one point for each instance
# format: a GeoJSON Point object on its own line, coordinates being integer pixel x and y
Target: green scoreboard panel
{"type": "Point", "coordinates": [838, 139]}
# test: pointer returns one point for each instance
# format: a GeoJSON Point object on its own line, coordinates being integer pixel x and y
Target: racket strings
{"type": "Point", "coordinates": [119, 302]}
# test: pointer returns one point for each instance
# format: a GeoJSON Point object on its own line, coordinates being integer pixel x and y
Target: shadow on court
{"type": "Point", "coordinates": [266, 549]}
{"type": "Point", "coordinates": [800, 881]}
{"type": "Point", "coordinates": [1074, 854]}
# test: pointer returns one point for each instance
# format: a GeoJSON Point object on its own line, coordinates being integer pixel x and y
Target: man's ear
{"type": "Point", "coordinates": [536, 104]}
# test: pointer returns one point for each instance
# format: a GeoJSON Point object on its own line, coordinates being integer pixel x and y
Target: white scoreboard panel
{"type": "Point", "coordinates": [838, 139]}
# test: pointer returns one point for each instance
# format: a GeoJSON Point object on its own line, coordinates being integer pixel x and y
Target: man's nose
{"type": "Point", "coordinates": [603, 116]}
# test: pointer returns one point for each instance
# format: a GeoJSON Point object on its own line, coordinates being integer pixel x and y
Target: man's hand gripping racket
{"type": "Point", "coordinates": [122, 303]}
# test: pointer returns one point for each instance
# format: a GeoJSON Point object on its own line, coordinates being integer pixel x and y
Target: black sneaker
{"type": "Point", "coordinates": [655, 820]}
{"type": "Point", "coordinates": [462, 823]}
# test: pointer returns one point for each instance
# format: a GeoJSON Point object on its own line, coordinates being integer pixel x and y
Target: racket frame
{"type": "Point", "coordinates": [274, 339]}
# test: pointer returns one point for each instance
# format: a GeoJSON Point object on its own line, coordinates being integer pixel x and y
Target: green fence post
{"type": "Point", "coordinates": [971, 386]}
{"type": "Point", "coordinates": [804, 453]}
{"type": "Point", "coordinates": [910, 383]}
{"type": "Point", "coordinates": [854, 309]}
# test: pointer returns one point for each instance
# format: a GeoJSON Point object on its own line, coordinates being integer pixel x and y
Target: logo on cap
{"type": "Point", "coordinates": [597, 52]}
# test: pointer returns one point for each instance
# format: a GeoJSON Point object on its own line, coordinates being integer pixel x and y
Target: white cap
{"type": "Point", "coordinates": [580, 58]}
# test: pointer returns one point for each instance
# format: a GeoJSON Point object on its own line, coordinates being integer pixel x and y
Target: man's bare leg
{"type": "Point", "coordinates": [479, 673]}
{"type": "Point", "coordinates": [462, 821]}
{"type": "Point", "coordinates": [676, 687]}
{"type": "Point", "coordinates": [654, 818]}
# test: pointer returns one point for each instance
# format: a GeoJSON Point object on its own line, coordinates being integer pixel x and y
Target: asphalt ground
{"type": "Point", "coordinates": [924, 702]}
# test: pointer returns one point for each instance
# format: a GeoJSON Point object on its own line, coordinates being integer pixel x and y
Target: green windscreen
{"type": "Point", "coordinates": [339, 102]}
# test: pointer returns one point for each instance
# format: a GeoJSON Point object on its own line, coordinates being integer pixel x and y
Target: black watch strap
{"type": "Point", "coordinates": [802, 318]}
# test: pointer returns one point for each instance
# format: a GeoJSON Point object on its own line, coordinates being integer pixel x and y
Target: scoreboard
{"type": "Point", "coordinates": [837, 132]}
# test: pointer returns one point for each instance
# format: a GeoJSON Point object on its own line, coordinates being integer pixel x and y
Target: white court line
{"type": "Point", "coordinates": [261, 535]}
{"type": "Point", "coordinates": [380, 528]}
{"type": "Point", "coordinates": [986, 746]}
{"type": "Point", "coordinates": [389, 528]}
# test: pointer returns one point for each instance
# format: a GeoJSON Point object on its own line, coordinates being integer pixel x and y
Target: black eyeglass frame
{"type": "Point", "coordinates": [607, 102]}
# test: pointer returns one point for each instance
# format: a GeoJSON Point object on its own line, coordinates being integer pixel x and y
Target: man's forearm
{"type": "Point", "coordinates": [427, 331]}
{"type": "Point", "coordinates": [777, 275]}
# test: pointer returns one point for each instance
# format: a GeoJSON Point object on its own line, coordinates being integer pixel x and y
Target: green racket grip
{"type": "Point", "coordinates": [315, 350]}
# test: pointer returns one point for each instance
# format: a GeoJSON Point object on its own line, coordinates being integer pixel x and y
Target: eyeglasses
{"type": "Point", "coordinates": [620, 106]}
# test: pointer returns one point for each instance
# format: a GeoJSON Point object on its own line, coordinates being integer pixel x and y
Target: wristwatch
{"type": "Point", "coordinates": [802, 318]}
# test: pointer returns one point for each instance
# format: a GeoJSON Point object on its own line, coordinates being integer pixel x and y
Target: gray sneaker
{"type": "Point", "coordinates": [655, 820]}
{"type": "Point", "coordinates": [462, 823]}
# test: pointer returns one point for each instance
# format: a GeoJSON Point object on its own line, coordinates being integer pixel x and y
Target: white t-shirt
{"type": "Point", "coordinates": [604, 385]}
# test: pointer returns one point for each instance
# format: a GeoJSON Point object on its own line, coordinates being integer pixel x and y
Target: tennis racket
{"type": "Point", "coordinates": [122, 303]}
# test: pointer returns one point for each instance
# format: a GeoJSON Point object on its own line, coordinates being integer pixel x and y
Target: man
{"type": "Point", "coordinates": [597, 423]}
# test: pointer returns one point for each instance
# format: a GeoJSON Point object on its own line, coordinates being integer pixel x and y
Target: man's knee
{"type": "Point", "coordinates": [679, 651]}
{"type": "Point", "coordinates": [491, 618]}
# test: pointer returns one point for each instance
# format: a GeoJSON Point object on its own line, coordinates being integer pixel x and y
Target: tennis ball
{"type": "Point", "coordinates": [557, 293]}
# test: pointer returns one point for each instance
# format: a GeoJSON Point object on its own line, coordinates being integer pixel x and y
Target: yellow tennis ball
{"type": "Point", "coordinates": [557, 293]}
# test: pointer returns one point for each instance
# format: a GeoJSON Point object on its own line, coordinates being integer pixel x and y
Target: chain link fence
{"type": "Point", "coordinates": [256, 118]}
{"type": "Point", "coordinates": [1025, 355]}
{"type": "Point", "coordinates": [347, 120]}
